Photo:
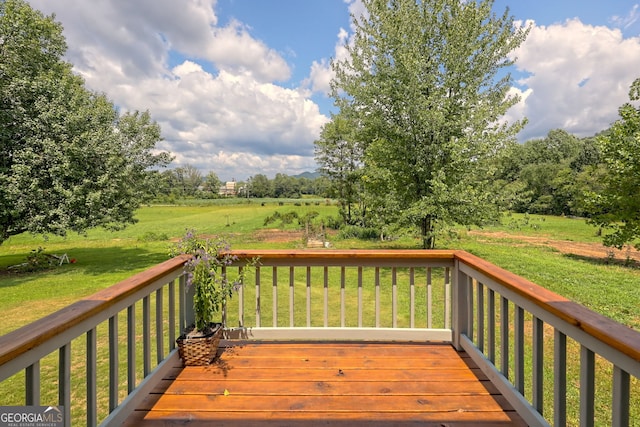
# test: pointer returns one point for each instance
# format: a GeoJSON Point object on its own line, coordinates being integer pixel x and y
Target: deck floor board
{"type": "Point", "coordinates": [329, 384]}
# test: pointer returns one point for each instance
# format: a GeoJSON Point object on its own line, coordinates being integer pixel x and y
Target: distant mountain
{"type": "Point", "coordinates": [308, 175]}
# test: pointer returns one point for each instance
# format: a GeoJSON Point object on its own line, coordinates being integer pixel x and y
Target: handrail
{"type": "Point", "coordinates": [285, 255]}
{"type": "Point", "coordinates": [20, 341]}
{"type": "Point", "coordinates": [610, 332]}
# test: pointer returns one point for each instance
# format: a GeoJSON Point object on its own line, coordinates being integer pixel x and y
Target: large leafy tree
{"type": "Point", "coordinates": [425, 86]}
{"type": "Point", "coordinates": [261, 186]}
{"type": "Point", "coordinates": [617, 206]}
{"type": "Point", "coordinates": [68, 160]}
{"type": "Point", "coordinates": [285, 186]}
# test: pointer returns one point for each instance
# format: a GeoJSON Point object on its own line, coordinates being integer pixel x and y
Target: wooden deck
{"type": "Point", "coordinates": [329, 384]}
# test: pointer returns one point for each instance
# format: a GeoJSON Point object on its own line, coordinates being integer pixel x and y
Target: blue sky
{"type": "Point", "coordinates": [239, 86]}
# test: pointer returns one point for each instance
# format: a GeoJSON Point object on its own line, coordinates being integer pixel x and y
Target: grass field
{"type": "Point", "coordinates": [104, 258]}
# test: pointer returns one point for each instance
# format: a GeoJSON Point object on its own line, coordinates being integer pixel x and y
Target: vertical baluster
{"type": "Point", "coordinates": [470, 311]}
{"type": "Point", "coordinates": [559, 379]}
{"type": "Point", "coordinates": [92, 390]}
{"type": "Point", "coordinates": [291, 296]}
{"type": "Point", "coordinates": [32, 384]}
{"type": "Point", "coordinates": [519, 349]}
{"type": "Point", "coordinates": [342, 297]}
{"type": "Point", "coordinates": [359, 297]}
{"type": "Point", "coordinates": [131, 348]}
{"type": "Point", "coordinates": [114, 363]}
{"type": "Point", "coordinates": [430, 300]}
{"type": "Point", "coordinates": [538, 365]}
{"type": "Point", "coordinates": [326, 296]}
{"type": "Point", "coordinates": [480, 316]}
{"type": "Point", "coordinates": [64, 382]}
{"type": "Point", "coordinates": [491, 328]}
{"type": "Point", "coordinates": [172, 315]}
{"type": "Point", "coordinates": [274, 287]}
{"type": "Point", "coordinates": [159, 326]}
{"type": "Point", "coordinates": [308, 296]}
{"type": "Point", "coordinates": [241, 301]}
{"type": "Point", "coordinates": [394, 298]}
{"type": "Point", "coordinates": [587, 387]}
{"type": "Point", "coordinates": [412, 298]}
{"type": "Point", "coordinates": [182, 301]}
{"type": "Point", "coordinates": [620, 396]}
{"type": "Point", "coordinates": [146, 336]}
{"type": "Point", "coordinates": [504, 336]}
{"type": "Point", "coordinates": [447, 299]}
{"type": "Point", "coordinates": [377, 303]}
{"type": "Point", "coordinates": [224, 304]}
{"type": "Point", "coordinates": [257, 296]}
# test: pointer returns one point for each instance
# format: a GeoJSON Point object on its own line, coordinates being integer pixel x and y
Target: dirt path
{"type": "Point", "coordinates": [588, 250]}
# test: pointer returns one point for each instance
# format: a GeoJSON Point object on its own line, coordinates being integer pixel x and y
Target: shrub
{"type": "Point", "coordinates": [355, 232]}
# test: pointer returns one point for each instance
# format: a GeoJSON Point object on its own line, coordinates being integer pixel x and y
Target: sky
{"type": "Point", "coordinates": [239, 87]}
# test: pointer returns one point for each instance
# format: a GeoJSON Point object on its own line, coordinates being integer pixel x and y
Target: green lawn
{"type": "Point", "coordinates": [104, 258]}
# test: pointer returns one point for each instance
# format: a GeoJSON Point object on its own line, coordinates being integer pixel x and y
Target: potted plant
{"type": "Point", "coordinates": [211, 286]}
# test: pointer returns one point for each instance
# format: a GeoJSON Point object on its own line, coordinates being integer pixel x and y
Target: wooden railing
{"type": "Point", "coordinates": [511, 326]}
{"type": "Point", "coordinates": [86, 337]}
{"type": "Point", "coordinates": [527, 340]}
{"type": "Point", "coordinates": [328, 294]}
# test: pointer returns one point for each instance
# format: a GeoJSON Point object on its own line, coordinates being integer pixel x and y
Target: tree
{"type": "Point", "coordinates": [191, 178]}
{"type": "Point", "coordinates": [212, 183]}
{"type": "Point", "coordinates": [68, 160]}
{"type": "Point", "coordinates": [422, 86]}
{"type": "Point", "coordinates": [617, 206]}
{"type": "Point", "coordinates": [548, 175]}
{"type": "Point", "coordinates": [340, 156]}
{"type": "Point", "coordinates": [285, 186]}
{"type": "Point", "coordinates": [261, 186]}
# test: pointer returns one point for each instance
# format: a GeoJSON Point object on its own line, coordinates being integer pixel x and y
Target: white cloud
{"type": "Point", "coordinates": [203, 115]}
{"type": "Point", "coordinates": [233, 49]}
{"type": "Point", "coordinates": [220, 110]}
{"type": "Point", "coordinates": [320, 76]}
{"type": "Point", "coordinates": [577, 76]}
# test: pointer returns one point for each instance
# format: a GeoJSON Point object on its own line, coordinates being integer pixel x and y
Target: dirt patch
{"type": "Point", "coordinates": [278, 236]}
{"type": "Point", "coordinates": [286, 236]}
{"type": "Point", "coordinates": [595, 251]}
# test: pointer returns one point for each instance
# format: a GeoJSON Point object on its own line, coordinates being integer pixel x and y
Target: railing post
{"type": "Point", "coordinates": [460, 304]}
{"type": "Point", "coordinates": [189, 315]}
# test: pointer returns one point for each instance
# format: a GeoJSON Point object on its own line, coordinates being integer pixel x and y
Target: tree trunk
{"type": "Point", "coordinates": [426, 231]}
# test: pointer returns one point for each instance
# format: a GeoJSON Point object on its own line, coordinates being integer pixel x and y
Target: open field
{"type": "Point", "coordinates": [561, 254]}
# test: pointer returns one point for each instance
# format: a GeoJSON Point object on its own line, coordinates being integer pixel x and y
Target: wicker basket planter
{"type": "Point", "coordinates": [199, 350]}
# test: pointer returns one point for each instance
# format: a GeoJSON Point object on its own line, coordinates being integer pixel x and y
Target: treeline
{"type": "Point", "coordinates": [188, 182]}
{"type": "Point", "coordinates": [552, 175]}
